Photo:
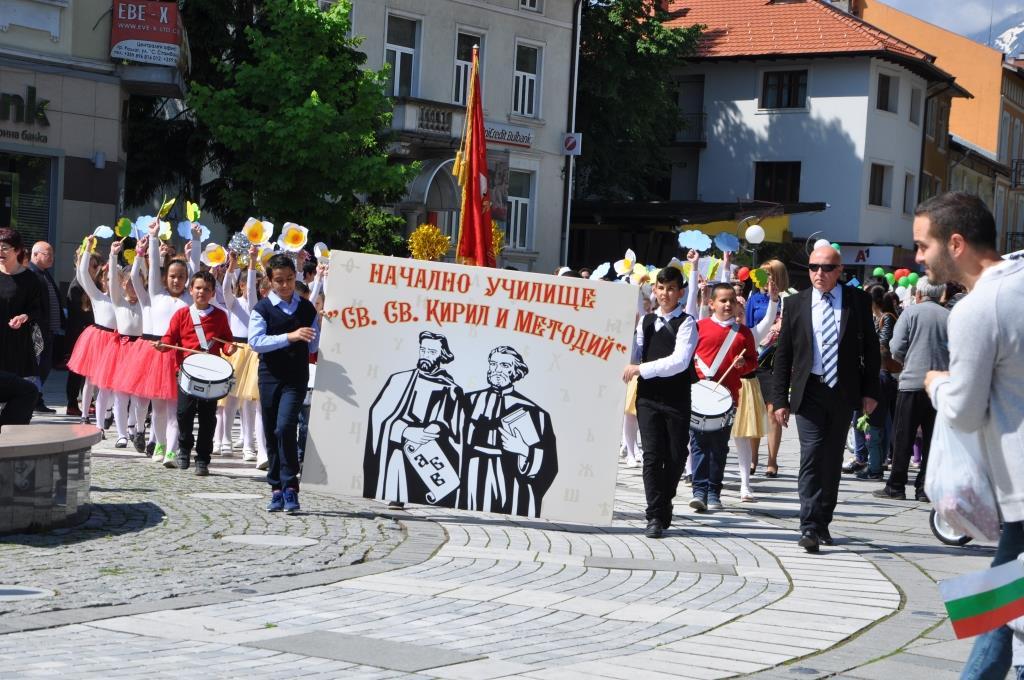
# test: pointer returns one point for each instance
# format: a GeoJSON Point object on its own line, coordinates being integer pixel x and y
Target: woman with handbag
{"type": "Point", "coordinates": [885, 307]}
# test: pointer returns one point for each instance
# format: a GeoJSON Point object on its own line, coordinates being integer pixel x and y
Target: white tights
{"type": "Point", "coordinates": [121, 414]}
{"type": "Point", "coordinates": [630, 427]}
{"type": "Point", "coordinates": [744, 455]}
{"type": "Point", "coordinates": [104, 400]}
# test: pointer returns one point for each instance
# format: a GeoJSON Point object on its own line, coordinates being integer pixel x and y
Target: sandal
{"type": "Point", "coordinates": [771, 473]}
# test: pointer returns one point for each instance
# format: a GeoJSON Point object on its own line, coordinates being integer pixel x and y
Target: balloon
{"type": "Point", "coordinates": [822, 243]}
{"type": "Point", "coordinates": [878, 271]}
{"type": "Point", "coordinates": [913, 277]}
{"type": "Point", "coordinates": [743, 274]}
{"type": "Point", "coordinates": [890, 277]}
{"type": "Point", "coordinates": [754, 234]}
{"type": "Point", "coordinates": [836, 246]}
{"type": "Point", "coordinates": [903, 282]}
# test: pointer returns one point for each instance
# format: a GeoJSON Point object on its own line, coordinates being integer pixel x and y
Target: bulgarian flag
{"type": "Point", "coordinates": [470, 168]}
{"type": "Point", "coordinates": [984, 600]}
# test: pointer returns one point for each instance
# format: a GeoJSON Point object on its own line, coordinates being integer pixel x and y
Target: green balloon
{"type": "Point", "coordinates": [836, 246]}
{"type": "Point", "coordinates": [890, 277]}
{"type": "Point", "coordinates": [913, 277]}
{"type": "Point", "coordinates": [878, 271]}
{"type": "Point", "coordinates": [903, 282]}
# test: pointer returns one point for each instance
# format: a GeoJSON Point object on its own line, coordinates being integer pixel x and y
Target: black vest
{"type": "Point", "coordinates": [289, 364]}
{"type": "Point", "coordinates": [657, 345]}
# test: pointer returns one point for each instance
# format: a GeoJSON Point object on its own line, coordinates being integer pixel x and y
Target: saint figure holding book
{"type": "Point", "coordinates": [509, 460]}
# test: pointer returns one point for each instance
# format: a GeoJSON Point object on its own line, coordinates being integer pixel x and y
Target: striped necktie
{"type": "Point", "coordinates": [829, 342]}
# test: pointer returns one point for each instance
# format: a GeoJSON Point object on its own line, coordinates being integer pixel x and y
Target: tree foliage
{"type": "Point", "coordinates": [627, 98]}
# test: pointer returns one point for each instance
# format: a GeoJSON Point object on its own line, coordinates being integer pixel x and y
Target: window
{"type": "Point", "coordinates": [784, 90]}
{"type": "Point", "coordinates": [532, 5]}
{"type": "Point", "coordinates": [400, 55]}
{"type": "Point", "coordinates": [517, 236]}
{"type": "Point", "coordinates": [525, 93]}
{"type": "Point", "coordinates": [880, 190]}
{"type": "Point", "coordinates": [464, 43]}
{"type": "Point", "coordinates": [915, 106]}
{"type": "Point", "coordinates": [942, 126]}
{"type": "Point", "coordinates": [888, 93]}
{"type": "Point", "coordinates": [929, 118]}
{"type": "Point", "coordinates": [930, 186]}
{"type": "Point", "coordinates": [1004, 138]}
{"type": "Point", "coordinates": [777, 182]}
{"type": "Point", "coordinates": [908, 194]}
{"type": "Point", "coordinates": [1015, 150]}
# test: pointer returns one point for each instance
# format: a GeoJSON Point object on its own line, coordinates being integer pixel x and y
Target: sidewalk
{"type": "Point", "coordinates": [441, 594]}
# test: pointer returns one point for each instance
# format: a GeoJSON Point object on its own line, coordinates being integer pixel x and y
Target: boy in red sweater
{"type": "Point", "coordinates": [725, 352]}
{"type": "Point", "coordinates": [182, 333]}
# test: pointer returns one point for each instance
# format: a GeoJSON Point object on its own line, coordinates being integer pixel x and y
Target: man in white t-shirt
{"type": "Point", "coordinates": [983, 391]}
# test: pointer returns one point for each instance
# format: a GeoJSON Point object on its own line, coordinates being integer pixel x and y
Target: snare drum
{"type": "Point", "coordinates": [206, 376]}
{"type": "Point", "coordinates": [711, 406]}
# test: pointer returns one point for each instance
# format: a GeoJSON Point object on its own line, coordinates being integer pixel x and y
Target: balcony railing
{"type": "Point", "coordinates": [694, 129]}
{"type": "Point", "coordinates": [1017, 173]}
{"type": "Point", "coordinates": [429, 117]}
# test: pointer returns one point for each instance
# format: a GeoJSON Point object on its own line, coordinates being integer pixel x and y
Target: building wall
{"type": "Point", "coordinates": [501, 23]}
{"type": "Point", "coordinates": [935, 162]}
{"type": "Point", "coordinates": [977, 69]}
{"type": "Point", "coordinates": [830, 138]}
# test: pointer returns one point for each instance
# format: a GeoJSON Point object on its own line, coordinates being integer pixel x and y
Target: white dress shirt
{"type": "Point", "coordinates": [682, 354]}
{"type": "Point", "coordinates": [819, 316]}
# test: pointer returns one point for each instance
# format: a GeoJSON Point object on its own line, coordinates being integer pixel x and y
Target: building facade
{"type": "Point", "coordinates": [525, 55]}
{"type": "Point", "coordinates": [61, 100]}
{"type": "Point", "coordinates": [799, 101]}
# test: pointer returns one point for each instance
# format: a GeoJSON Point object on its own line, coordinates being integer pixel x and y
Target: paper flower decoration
{"type": "Point", "coordinates": [677, 263]}
{"type": "Point", "coordinates": [165, 207]}
{"type": "Point", "coordinates": [601, 271]}
{"type": "Point", "coordinates": [103, 231]}
{"type": "Point", "coordinates": [141, 227]}
{"type": "Point", "coordinates": [165, 230]}
{"type": "Point", "coordinates": [85, 245]}
{"type": "Point", "coordinates": [258, 231]}
{"type": "Point", "coordinates": [124, 227]}
{"type": "Point", "coordinates": [214, 255]}
{"type": "Point", "coordinates": [727, 243]}
{"type": "Point", "coordinates": [694, 239]}
{"type": "Point", "coordinates": [713, 265]}
{"type": "Point", "coordinates": [293, 237]}
{"type": "Point", "coordinates": [191, 211]}
{"type": "Point", "coordinates": [265, 253]}
{"type": "Point", "coordinates": [322, 252]}
{"type": "Point", "coordinates": [497, 240]}
{"type": "Point", "coordinates": [640, 274]}
{"type": "Point", "coordinates": [427, 242]}
{"type": "Point", "coordinates": [129, 255]}
{"type": "Point", "coordinates": [625, 265]}
{"type": "Point", "coordinates": [185, 231]}
{"type": "Point", "coordinates": [759, 277]}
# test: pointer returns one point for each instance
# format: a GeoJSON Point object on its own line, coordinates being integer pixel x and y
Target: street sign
{"type": "Point", "coordinates": [572, 143]}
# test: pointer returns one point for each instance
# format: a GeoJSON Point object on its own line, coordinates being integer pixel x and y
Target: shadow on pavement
{"type": "Point", "coordinates": [104, 520]}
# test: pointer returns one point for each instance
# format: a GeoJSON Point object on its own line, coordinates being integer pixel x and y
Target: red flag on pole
{"type": "Point", "coordinates": [470, 168]}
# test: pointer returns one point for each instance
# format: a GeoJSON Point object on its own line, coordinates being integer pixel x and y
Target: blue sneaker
{"type": "Point", "coordinates": [291, 501]}
{"type": "Point", "coordinates": [276, 503]}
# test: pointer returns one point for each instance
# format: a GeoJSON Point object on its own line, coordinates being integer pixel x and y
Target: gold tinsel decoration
{"type": "Point", "coordinates": [428, 243]}
{"type": "Point", "coordinates": [497, 240]}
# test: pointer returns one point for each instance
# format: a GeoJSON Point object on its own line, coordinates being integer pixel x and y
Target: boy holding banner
{"type": "Point", "coordinates": [665, 341]}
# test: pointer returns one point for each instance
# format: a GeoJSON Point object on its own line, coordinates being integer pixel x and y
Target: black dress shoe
{"type": "Point", "coordinates": [43, 408]}
{"type": "Point", "coordinates": [809, 541]}
{"type": "Point", "coordinates": [886, 492]}
{"type": "Point", "coordinates": [921, 497]}
{"type": "Point", "coordinates": [825, 538]}
{"type": "Point", "coordinates": [654, 529]}
{"type": "Point", "coordinates": [866, 474]}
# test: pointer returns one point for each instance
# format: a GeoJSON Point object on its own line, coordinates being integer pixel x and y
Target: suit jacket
{"type": "Point", "coordinates": [859, 359]}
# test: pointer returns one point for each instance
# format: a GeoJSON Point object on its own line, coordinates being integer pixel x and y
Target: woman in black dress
{"type": "Point", "coordinates": [21, 306]}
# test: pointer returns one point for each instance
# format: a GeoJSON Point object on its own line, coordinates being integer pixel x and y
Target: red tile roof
{"type": "Point", "coordinates": [749, 28]}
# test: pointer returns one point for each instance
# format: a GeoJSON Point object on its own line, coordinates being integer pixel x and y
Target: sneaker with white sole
{"type": "Point", "coordinates": [249, 456]}
{"type": "Point", "coordinates": [631, 462]}
{"type": "Point", "coordinates": [170, 460]}
{"type": "Point", "coordinates": [263, 465]}
{"type": "Point", "coordinates": [291, 501]}
{"type": "Point", "coordinates": [158, 453]}
{"type": "Point", "coordinates": [747, 497]}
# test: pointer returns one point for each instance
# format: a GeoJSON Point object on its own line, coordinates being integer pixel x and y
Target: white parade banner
{"type": "Point", "coordinates": [467, 387]}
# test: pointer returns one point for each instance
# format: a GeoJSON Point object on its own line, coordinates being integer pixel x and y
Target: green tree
{"type": "Point", "coordinates": [627, 101]}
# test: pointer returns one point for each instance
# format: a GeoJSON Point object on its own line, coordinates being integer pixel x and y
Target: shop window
{"type": "Point", "coordinates": [26, 184]}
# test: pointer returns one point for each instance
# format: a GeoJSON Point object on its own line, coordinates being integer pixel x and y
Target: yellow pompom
{"type": "Point", "coordinates": [428, 243]}
{"type": "Point", "coordinates": [497, 240]}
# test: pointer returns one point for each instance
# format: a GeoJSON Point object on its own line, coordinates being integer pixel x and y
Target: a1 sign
{"type": "Point", "coordinates": [572, 143]}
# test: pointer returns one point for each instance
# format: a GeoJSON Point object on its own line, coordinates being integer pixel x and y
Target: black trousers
{"type": "Point", "coordinates": [665, 436]}
{"type": "Point", "coordinates": [188, 408]}
{"type": "Point", "coordinates": [822, 423]}
{"type": "Point", "coordinates": [19, 397]}
{"type": "Point", "coordinates": [913, 410]}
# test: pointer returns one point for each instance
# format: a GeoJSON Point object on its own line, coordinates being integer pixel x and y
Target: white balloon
{"type": "Point", "coordinates": [822, 243]}
{"type": "Point", "coordinates": [754, 234]}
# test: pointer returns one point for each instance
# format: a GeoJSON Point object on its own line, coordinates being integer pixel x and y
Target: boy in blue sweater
{"type": "Point", "coordinates": [283, 329]}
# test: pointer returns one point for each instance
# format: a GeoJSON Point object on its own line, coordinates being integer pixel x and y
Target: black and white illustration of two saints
{"type": "Point", "coordinates": [429, 441]}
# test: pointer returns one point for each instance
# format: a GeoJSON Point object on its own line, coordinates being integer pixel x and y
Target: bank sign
{"type": "Point", "coordinates": [26, 109]}
{"type": "Point", "coordinates": [511, 135]}
{"type": "Point", "coordinates": [146, 32]}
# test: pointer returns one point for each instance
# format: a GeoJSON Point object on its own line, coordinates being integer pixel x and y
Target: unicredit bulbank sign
{"type": "Point", "coordinates": [146, 32]}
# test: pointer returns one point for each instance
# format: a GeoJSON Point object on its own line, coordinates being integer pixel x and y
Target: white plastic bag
{"type": "Point", "coordinates": [958, 483]}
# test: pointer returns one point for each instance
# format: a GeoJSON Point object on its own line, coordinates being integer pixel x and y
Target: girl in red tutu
{"type": "Point", "coordinates": [96, 345]}
{"type": "Point", "coordinates": [124, 380]}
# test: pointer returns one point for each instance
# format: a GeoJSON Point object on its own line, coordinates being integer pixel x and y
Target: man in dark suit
{"type": "Point", "coordinates": [826, 366]}
{"type": "Point", "coordinates": [52, 324]}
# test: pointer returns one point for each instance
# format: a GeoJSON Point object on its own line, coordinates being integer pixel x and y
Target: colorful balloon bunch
{"type": "Point", "coordinates": [901, 278]}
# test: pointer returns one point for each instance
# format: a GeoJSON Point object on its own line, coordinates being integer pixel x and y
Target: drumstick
{"type": "Point", "coordinates": [182, 349]}
{"type": "Point", "coordinates": [229, 342]}
{"type": "Point", "coordinates": [731, 366]}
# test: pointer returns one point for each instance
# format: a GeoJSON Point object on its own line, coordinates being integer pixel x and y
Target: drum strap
{"type": "Point", "coordinates": [710, 371]}
{"type": "Point", "coordinates": [199, 328]}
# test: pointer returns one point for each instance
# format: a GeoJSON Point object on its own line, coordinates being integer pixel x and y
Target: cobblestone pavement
{"type": "Point", "coordinates": [724, 594]}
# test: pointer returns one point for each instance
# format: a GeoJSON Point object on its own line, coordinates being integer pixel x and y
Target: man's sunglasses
{"type": "Point", "coordinates": [827, 268]}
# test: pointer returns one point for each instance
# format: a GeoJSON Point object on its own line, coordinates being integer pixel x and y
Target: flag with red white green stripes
{"type": "Point", "coordinates": [984, 600]}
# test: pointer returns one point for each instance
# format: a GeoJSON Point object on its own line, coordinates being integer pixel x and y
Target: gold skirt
{"type": "Point", "coordinates": [750, 410]}
{"type": "Point", "coordinates": [631, 396]}
{"type": "Point", "coordinates": [246, 364]}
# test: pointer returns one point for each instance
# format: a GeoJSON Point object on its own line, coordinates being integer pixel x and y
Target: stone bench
{"type": "Point", "coordinates": [44, 475]}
